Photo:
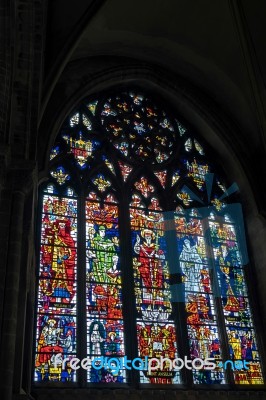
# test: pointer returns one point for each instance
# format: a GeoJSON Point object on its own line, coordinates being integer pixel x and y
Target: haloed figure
{"type": "Point", "coordinates": [150, 260]}
{"type": "Point", "coordinates": [97, 338]}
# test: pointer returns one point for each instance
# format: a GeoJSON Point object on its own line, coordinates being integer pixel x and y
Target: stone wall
{"type": "Point", "coordinates": [25, 134]}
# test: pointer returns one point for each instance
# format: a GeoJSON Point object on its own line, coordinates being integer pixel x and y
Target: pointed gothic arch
{"type": "Point", "coordinates": [137, 255]}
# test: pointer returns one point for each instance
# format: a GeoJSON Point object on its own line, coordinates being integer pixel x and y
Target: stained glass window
{"type": "Point", "coordinates": [142, 256]}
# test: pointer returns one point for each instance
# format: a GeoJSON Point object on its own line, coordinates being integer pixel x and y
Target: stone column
{"type": "Point", "coordinates": [18, 183]}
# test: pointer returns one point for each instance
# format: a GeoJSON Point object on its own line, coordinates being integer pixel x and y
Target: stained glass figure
{"type": "Point", "coordinates": [235, 302]}
{"type": "Point", "coordinates": [204, 339]}
{"type": "Point", "coordinates": [155, 328]}
{"type": "Point", "coordinates": [56, 310]}
{"type": "Point", "coordinates": [104, 290]}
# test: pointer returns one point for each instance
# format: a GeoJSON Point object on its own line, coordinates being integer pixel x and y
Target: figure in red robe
{"type": "Point", "coordinates": [150, 259]}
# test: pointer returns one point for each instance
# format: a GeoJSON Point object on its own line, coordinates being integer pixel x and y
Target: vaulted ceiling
{"type": "Point", "coordinates": [217, 45]}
